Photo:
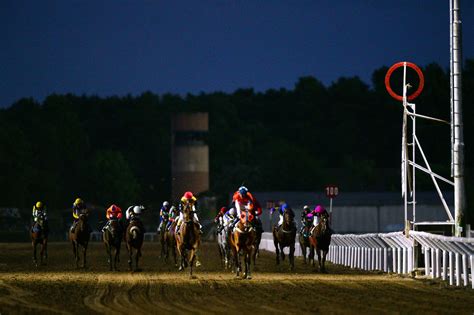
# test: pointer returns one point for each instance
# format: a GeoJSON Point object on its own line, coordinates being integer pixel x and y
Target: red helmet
{"type": "Point", "coordinates": [188, 195]}
{"type": "Point", "coordinates": [223, 209]}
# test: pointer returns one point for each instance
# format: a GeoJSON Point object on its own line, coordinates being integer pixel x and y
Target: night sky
{"type": "Point", "coordinates": [113, 47]}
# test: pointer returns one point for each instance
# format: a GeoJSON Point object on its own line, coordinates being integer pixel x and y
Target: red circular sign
{"type": "Point", "coordinates": [331, 191]}
{"type": "Point", "coordinates": [395, 67]}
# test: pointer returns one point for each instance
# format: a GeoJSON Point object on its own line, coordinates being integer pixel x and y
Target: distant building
{"type": "Point", "coordinates": [189, 153]}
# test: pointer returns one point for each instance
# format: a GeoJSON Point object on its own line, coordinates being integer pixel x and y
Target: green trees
{"type": "Point", "coordinates": [117, 149]}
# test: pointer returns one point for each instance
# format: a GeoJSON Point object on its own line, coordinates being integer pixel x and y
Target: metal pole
{"type": "Point", "coordinates": [458, 154]}
{"type": "Point", "coordinates": [405, 143]}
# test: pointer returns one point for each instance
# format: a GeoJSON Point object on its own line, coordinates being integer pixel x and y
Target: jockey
{"type": "Point", "coordinates": [78, 208]}
{"type": "Point", "coordinates": [113, 213]}
{"type": "Point", "coordinates": [174, 213]}
{"type": "Point", "coordinates": [188, 199]}
{"type": "Point", "coordinates": [284, 207]}
{"type": "Point", "coordinates": [134, 212]}
{"type": "Point", "coordinates": [304, 216]}
{"type": "Point", "coordinates": [243, 197]}
{"type": "Point", "coordinates": [221, 212]}
{"type": "Point", "coordinates": [164, 213]}
{"type": "Point", "coordinates": [319, 211]}
{"type": "Point", "coordinates": [40, 215]}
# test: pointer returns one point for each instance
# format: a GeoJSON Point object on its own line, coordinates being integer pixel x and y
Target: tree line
{"type": "Point", "coordinates": [117, 149]}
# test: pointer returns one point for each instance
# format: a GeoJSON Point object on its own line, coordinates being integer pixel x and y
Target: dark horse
{"type": "Point", "coordinates": [112, 237]}
{"type": "Point", "coordinates": [80, 239]}
{"type": "Point", "coordinates": [242, 242]}
{"type": "Point", "coordinates": [170, 242]}
{"type": "Point", "coordinates": [304, 236]}
{"type": "Point", "coordinates": [258, 239]}
{"type": "Point", "coordinates": [134, 238]}
{"type": "Point", "coordinates": [162, 231]}
{"type": "Point", "coordinates": [320, 239]}
{"type": "Point", "coordinates": [188, 240]}
{"type": "Point", "coordinates": [39, 235]}
{"type": "Point", "coordinates": [285, 236]}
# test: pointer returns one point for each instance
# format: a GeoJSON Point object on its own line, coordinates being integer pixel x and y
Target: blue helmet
{"type": "Point", "coordinates": [284, 207]}
{"type": "Point", "coordinates": [243, 190]}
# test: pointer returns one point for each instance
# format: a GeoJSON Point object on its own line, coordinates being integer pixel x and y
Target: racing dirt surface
{"type": "Point", "coordinates": [60, 288]}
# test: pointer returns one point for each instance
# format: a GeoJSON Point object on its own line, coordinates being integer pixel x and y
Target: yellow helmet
{"type": "Point", "coordinates": [39, 205]}
{"type": "Point", "coordinates": [78, 201]}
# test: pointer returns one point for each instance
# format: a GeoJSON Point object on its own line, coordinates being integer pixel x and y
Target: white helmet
{"type": "Point", "coordinates": [173, 208]}
{"type": "Point", "coordinates": [166, 204]}
{"type": "Point", "coordinates": [232, 211]}
{"type": "Point", "coordinates": [138, 209]}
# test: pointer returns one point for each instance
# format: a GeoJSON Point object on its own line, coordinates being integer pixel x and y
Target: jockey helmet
{"type": "Point", "coordinates": [188, 195]}
{"type": "Point", "coordinates": [173, 208]}
{"type": "Point", "coordinates": [223, 209]}
{"type": "Point", "coordinates": [305, 208]}
{"type": "Point", "coordinates": [78, 201]}
{"type": "Point", "coordinates": [319, 209]}
{"type": "Point", "coordinates": [232, 212]}
{"type": "Point", "coordinates": [114, 208]}
{"type": "Point", "coordinates": [39, 205]}
{"type": "Point", "coordinates": [284, 207]}
{"type": "Point", "coordinates": [166, 204]}
{"type": "Point", "coordinates": [138, 209]}
{"type": "Point", "coordinates": [243, 191]}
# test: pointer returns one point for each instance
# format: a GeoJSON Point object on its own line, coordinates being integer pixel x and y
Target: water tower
{"type": "Point", "coordinates": [189, 153]}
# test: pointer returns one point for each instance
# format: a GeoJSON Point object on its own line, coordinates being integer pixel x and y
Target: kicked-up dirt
{"type": "Point", "coordinates": [59, 287]}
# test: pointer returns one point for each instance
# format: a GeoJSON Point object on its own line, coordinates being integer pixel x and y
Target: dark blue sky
{"type": "Point", "coordinates": [113, 47]}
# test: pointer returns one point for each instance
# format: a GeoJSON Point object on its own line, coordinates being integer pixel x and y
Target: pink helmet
{"type": "Point", "coordinates": [319, 209]}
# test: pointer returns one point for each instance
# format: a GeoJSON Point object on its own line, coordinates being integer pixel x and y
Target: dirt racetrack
{"type": "Point", "coordinates": [159, 288]}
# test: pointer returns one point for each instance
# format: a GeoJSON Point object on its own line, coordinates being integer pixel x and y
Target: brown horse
{"type": "Point", "coordinates": [304, 237]}
{"type": "Point", "coordinates": [80, 239]}
{"type": "Point", "coordinates": [320, 240]}
{"type": "Point", "coordinates": [39, 235]}
{"type": "Point", "coordinates": [162, 232]}
{"type": "Point", "coordinates": [188, 240]}
{"type": "Point", "coordinates": [170, 242]}
{"type": "Point", "coordinates": [242, 241]}
{"type": "Point", "coordinates": [284, 236]}
{"type": "Point", "coordinates": [134, 239]}
{"type": "Point", "coordinates": [112, 237]}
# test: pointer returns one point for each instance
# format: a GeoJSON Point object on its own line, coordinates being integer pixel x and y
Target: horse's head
{"type": "Point", "coordinates": [246, 216]}
{"type": "Point", "coordinates": [187, 210]}
{"type": "Point", "coordinates": [288, 217]}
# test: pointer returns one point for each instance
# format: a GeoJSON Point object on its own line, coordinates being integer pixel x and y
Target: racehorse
{"type": "Point", "coordinates": [242, 241]}
{"type": "Point", "coordinates": [170, 242]}
{"type": "Point", "coordinates": [320, 239]}
{"type": "Point", "coordinates": [258, 239]}
{"type": "Point", "coordinates": [223, 234]}
{"type": "Point", "coordinates": [39, 235]}
{"type": "Point", "coordinates": [284, 236]}
{"type": "Point", "coordinates": [304, 236]}
{"type": "Point", "coordinates": [80, 239]}
{"type": "Point", "coordinates": [134, 239]}
{"type": "Point", "coordinates": [112, 237]}
{"type": "Point", "coordinates": [162, 231]}
{"type": "Point", "coordinates": [188, 240]}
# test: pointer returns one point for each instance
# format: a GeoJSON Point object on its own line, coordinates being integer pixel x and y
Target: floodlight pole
{"type": "Point", "coordinates": [457, 124]}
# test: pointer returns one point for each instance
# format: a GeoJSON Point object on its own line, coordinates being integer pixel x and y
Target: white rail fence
{"type": "Point", "coordinates": [448, 258]}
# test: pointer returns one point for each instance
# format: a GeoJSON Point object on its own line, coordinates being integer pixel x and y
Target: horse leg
{"type": "Point", "coordinates": [277, 252]}
{"type": "Point", "coordinates": [192, 257]}
{"type": "Point", "coordinates": [303, 251]}
{"type": "Point", "coordinates": [76, 254]}
{"type": "Point", "coordinates": [137, 256]}
{"type": "Point", "coordinates": [41, 253]}
{"type": "Point", "coordinates": [311, 255]}
{"type": "Point", "coordinates": [33, 243]}
{"type": "Point", "coordinates": [248, 260]}
{"type": "Point", "coordinates": [46, 250]}
{"type": "Point", "coordinates": [292, 256]}
{"type": "Point", "coordinates": [109, 255]}
{"type": "Point", "coordinates": [323, 265]}
{"type": "Point", "coordinates": [319, 259]}
{"type": "Point", "coordinates": [129, 249]}
{"type": "Point", "coordinates": [84, 253]}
